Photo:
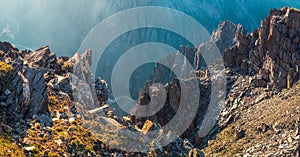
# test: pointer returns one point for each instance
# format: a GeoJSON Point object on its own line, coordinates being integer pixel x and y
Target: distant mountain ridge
{"type": "Point", "coordinates": [63, 25]}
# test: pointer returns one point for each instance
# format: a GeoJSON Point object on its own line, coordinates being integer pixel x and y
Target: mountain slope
{"type": "Point", "coordinates": [53, 106]}
{"type": "Point", "coordinates": [271, 127]}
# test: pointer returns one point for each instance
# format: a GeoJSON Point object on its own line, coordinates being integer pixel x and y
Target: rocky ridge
{"type": "Point", "coordinates": [50, 106]}
{"type": "Point", "coordinates": [258, 65]}
{"type": "Point", "coordinates": [41, 104]}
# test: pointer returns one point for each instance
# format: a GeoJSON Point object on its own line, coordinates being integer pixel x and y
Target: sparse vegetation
{"type": "Point", "coordinates": [68, 138]}
{"type": "Point", "coordinates": [227, 138]}
{"type": "Point", "coordinates": [67, 67]}
{"type": "Point", "coordinates": [6, 72]}
{"type": "Point", "coordinates": [5, 69]}
{"type": "Point", "coordinates": [267, 125]}
{"type": "Point", "coordinates": [64, 138]}
{"type": "Point", "coordinates": [9, 148]}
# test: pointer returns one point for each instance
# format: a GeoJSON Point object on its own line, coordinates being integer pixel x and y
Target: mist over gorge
{"type": "Point", "coordinates": [63, 24]}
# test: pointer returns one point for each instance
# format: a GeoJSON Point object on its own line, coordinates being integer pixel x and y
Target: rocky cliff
{"type": "Point", "coordinates": [258, 66]}
{"type": "Point", "coordinates": [42, 104]}
{"type": "Point", "coordinates": [52, 106]}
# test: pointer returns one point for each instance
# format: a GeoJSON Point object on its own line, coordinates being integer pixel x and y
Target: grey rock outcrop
{"type": "Point", "coordinates": [39, 57]}
{"type": "Point", "coordinates": [227, 34]}
{"type": "Point", "coordinates": [29, 94]}
{"type": "Point", "coordinates": [82, 80]}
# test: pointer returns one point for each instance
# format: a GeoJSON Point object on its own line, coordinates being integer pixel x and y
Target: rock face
{"type": "Point", "coordinates": [28, 87]}
{"type": "Point", "coordinates": [258, 65]}
{"type": "Point", "coordinates": [40, 57]}
{"type": "Point", "coordinates": [173, 101]}
{"type": "Point", "coordinates": [87, 91]}
{"type": "Point", "coordinates": [27, 77]}
{"type": "Point", "coordinates": [282, 60]}
{"type": "Point", "coordinates": [37, 93]}
{"type": "Point", "coordinates": [227, 35]}
{"type": "Point", "coordinates": [271, 52]}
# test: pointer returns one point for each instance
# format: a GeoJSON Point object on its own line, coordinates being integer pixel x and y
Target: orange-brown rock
{"type": "Point", "coordinates": [148, 125]}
